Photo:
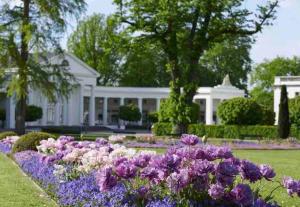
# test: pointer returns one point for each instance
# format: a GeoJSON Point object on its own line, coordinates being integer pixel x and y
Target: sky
{"type": "Point", "coordinates": [280, 39]}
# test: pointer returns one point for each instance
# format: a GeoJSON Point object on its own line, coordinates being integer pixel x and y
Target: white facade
{"type": "Point", "coordinates": [293, 88]}
{"type": "Point", "coordinates": [77, 108]}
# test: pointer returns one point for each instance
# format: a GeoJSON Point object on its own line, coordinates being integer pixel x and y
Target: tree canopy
{"type": "Point", "coordinates": [30, 33]}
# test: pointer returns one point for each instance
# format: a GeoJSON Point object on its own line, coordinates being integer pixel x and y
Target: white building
{"type": "Point", "coordinates": [102, 103]}
{"type": "Point", "coordinates": [293, 88]}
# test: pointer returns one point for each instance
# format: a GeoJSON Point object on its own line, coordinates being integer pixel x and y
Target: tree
{"type": "Point", "coordinates": [263, 77]}
{"type": "Point", "coordinates": [33, 113]}
{"type": "Point", "coordinates": [130, 113]}
{"type": "Point", "coordinates": [29, 34]}
{"type": "Point", "coordinates": [185, 30]}
{"type": "Point", "coordinates": [294, 109]}
{"type": "Point", "coordinates": [231, 57]}
{"type": "Point", "coordinates": [144, 66]}
{"type": "Point", "coordinates": [283, 119]}
{"type": "Point", "coordinates": [98, 41]}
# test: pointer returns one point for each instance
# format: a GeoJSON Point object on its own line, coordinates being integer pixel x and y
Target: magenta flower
{"type": "Point", "coordinates": [177, 181]}
{"type": "Point", "coordinates": [126, 170]}
{"type": "Point", "coordinates": [154, 175]}
{"type": "Point", "coordinates": [250, 171]}
{"type": "Point", "coordinates": [267, 172]}
{"type": "Point", "coordinates": [189, 139]}
{"type": "Point", "coordinates": [216, 191]}
{"type": "Point", "coordinates": [292, 186]}
{"type": "Point", "coordinates": [242, 195]}
{"type": "Point", "coordinates": [105, 179]}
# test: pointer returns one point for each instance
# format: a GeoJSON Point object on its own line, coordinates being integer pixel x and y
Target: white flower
{"type": "Point", "coordinates": [116, 138]}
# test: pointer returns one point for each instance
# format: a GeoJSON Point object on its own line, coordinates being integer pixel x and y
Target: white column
{"type": "Point", "coordinates": [81, 102]}
{"type": "Point", "coordinates": [140, 105]}
{"type": "Point", "coordinates": [92, 107]}
{"type": "Point", "coordinates": [65, 111]}
{"type": "Point", "coordinates": [10, 113]}
{"type": "Point", "coordinates": [122, 101]}
{"type": "Point", "coordinates": [105, 100]}
{"type": "Point", "coordinates": [57, 113]}
{"type": "Point", "coordinates": [70, 111]}
{"type": "Point", "coordinates": [45, 111]}
{"type": "Point", "coordinates": [209, 111]}
{"type": "Point", "coordinates": [157, 104]}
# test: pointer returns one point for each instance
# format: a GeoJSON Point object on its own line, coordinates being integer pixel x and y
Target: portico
{"type": "Point", "coordinates": [95, 105]}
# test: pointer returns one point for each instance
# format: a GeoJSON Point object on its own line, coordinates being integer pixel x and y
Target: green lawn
{"type": "Point", "coordinates": [17, 190]}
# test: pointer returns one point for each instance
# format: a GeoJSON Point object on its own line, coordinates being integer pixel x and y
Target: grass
{"type": "Point", "coordinates": [17, 190]}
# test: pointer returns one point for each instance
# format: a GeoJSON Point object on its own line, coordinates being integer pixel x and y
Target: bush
{"type": "Point", "coordinates": [152, 117]}
{"type": "Point", "coordinates": [240, 111]}
{"type": "Point", "coordinates": [214, 131]}
{"type": "Point", "coordinates": [268, 116]}
{"type": "Point", "coordinates": [161, 129]}
{"type": "Point", "coordinates": [62, 129]}
{"type": "Point", "coordinates": [30, 141]}
{"type": "Point", "coordinates": [165, 112]}
{"type": "Point", "coordinates": [294, 108]}
{"type": "Point", "coordinates": [2, 115]}
{"type": "Point", "coordinates": [232, 132]}
{"type": "Point", "coordinates": [130, 113]}
{"type": "Point", "coordinates": [197, 129]}
{"type": "Point", "coordinates": [33, 113]}
{"type": "Point", "coordinates": [3, 135]}
{"type": "Point", "coordinates": [259, 132]}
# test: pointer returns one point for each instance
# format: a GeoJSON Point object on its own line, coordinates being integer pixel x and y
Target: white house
{"type": "Point", "coordinates": [98, 105]}
{"type": "Point", "coordinates": [293, 88]}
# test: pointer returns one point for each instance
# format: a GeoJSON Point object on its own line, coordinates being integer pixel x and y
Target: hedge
{"type": "Point", "coordinates": [30, 141]}
{"type": "Point", "coordinates": [3, 135]}
{"type": "Point", "coordinates": [226, 131]}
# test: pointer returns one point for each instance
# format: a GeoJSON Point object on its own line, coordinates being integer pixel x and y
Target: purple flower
{"type": "Point", "coordinates": [178, 180]}
{"type": "Point", "coordinates": [105, 179]}
{"type": "Point", "coordinates": [120, 160]}
{"type": "Point", "coordinates": [154, 175]}
{"type": "Point", "coordinates": [200, 167]}
{"type": "Point", "coordinates": [126, 170]}
{"type": "Point", "coordinates": [216, 191]}
{"type": "Point", "coordinates": [189, 139]}
{"type": "Point", "coordinates": [267, 172]}
{"type": "Point", "coordinates": [250, 171]}
{"type": "Point", "coordinates": [226, 172]}
{"type": "Point", "coordinates": [242, 195]}
{"type": "Point", "coordinates": [101, 141]}
{"type": "Point", "coordinates": [167, 162]}
{"type": "Point", "coordinates": [292, 186]}
{"type": "Point", "coordinates": [142, 160]}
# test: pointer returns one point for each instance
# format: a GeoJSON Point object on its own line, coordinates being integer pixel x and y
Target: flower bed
{"type": "Point", "coordinates": [7, 143]}
{"type": "Point", "coordinates": [102, 174]}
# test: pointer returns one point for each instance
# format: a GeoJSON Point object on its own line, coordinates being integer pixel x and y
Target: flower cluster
{"type": "Point", "coordinates": [188, 171]}
{"type": "Point", "coordinates": [292, 186]}
{"type": "Point", "coordinates": [7, 144]}
{"type": "Point", "coordinates": [116, 138]}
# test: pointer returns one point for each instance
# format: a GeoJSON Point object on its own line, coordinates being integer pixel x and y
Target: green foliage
{"type": "Point", "coordinates": [214, 131]}
{"type": "Point", "coordinates": [130, 113]}
{"type": "Point", "coordinates": [240, 111]}
{"type": "Point", "coordinates": [3, 135]}
{"type": "Point", "coordinates": [232, 132]}
{"type": "Point", "coordinates": [61, 130]}
{"type": "Point", "coordinates": [152, 117]}
{"type": "Point", "coordinates": [98, 41]}
{"type": "Point", "coordinates": [165, 112]}
{"type": "Point", "coordinates": [231, 57]}
{"type": "Point", "coordinates": [263, 98]}
{"type": "Point", "coordinates": [197, 129]}
{"type": "Point", "coordinates": [268, 116]}
{"type": "Point", "coordinates": [162, 129]}
{"type": "Point", "coordinates": [30, 141]}
{"type": "Point", "coordinates": [294, 109]}
{"type": "Point", "coordinates": [33, 113]}
{"type": "Point", "coordinates": [284, 119]}
{"type": "Point", "coordinates": [2, 114]}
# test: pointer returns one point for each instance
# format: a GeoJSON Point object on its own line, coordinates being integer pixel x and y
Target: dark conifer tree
{"type": "Point", "coordinates": [284, 119]}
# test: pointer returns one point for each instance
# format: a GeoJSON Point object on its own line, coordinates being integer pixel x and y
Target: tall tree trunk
{"type": "Point", "coordinates": [21, 104]}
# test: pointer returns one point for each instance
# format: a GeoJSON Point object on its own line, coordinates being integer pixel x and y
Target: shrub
{"type": "Point", "coordinates": [196, 129]}
{"type": "Point", "coordinates": [232, 132]}
{"type": "Point", "coordinates": [240, 111]}
{"type": "Point", "coordinates": [2, 115]}
{"type": "Point", "coordinates": [284, 119]}
{"type": "Point", "coordinates": [259, 132]}
{"type": "Point", "coordinates": [268, 116]}
{"type": "Point", "coordinates": [61, 129]}
{"type": "Point", "coordinates": [152, 117]}
{"type": "Point", "coordinates": [130, 113]}
{"type": "Point", "coordinates": [294, 107]}
{"type": "Point", "coordinates": [30, 141]}
{"type": "Point", "coordinates": [165, 112]}
{"type": "Point", "coordinates": [214, 131]}
{"type": "Point", "coordinates": [33, 113]}
{"type": "Point", "coordinates": [161, 129]}
{"type": "Point", "coordinates": [3, 135]}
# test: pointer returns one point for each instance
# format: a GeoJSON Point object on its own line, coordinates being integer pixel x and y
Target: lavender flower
{"type": "Point", "coordinates": [267, 172]}
{"type": "Point", "coordinates": [177, 181]}
{"type": "Point", "coordinates": [250, 171]}
{"type": "Point", "coordinates": [105, 179]}
{"type": "Point", "coordinates": [189, 139]}
{"type": "Point", "coordinates": [242, 195]}
{"type": "Point", "coordinates": [292, 186]}
{"type": "Point", "coordinates": [216, 191]}
{"type": "Point", "coordinates": [126, 170]}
